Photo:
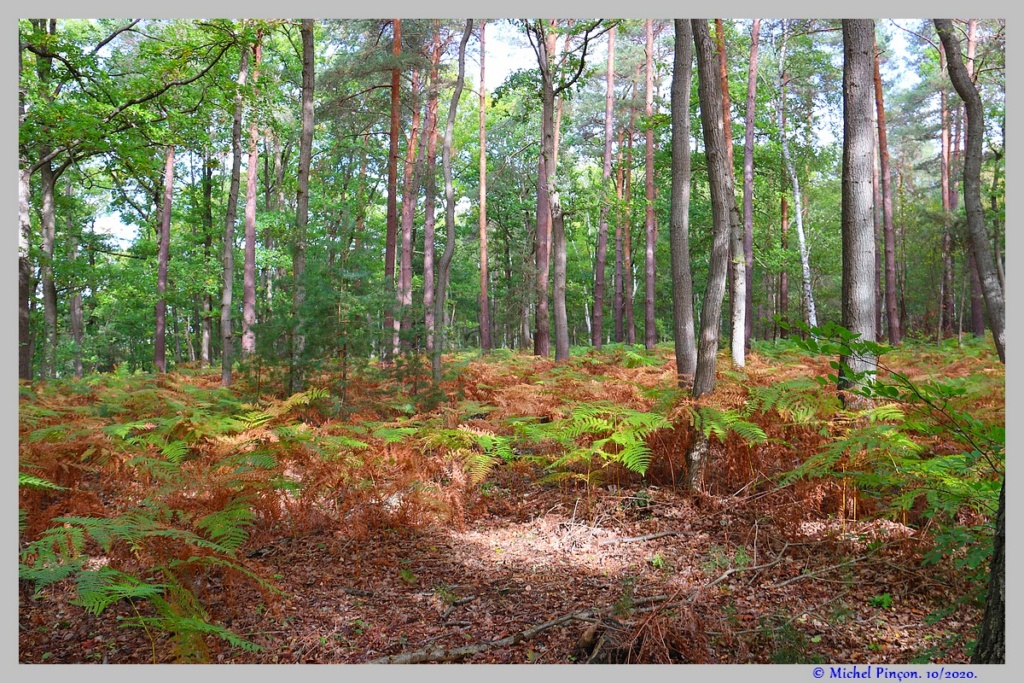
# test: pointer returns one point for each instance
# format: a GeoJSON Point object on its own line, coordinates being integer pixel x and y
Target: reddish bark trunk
{"type": "Point", "coordinates": [249, 265]}
{"type": "Point", "coordinates": [159, 346]}
{"type": "Point", "coordinates": [391, 234]}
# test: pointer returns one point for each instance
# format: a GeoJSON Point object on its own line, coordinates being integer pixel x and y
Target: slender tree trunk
{"type": "Point", "coordinates": [876, 216]}
{"type": "Point", "coordinates": [972, 183]}
{"type": "Point", "coordinates": [748, 182]}
{"type": "Point", "coordinates": [295, 379]}
{"type": "Point", "coordinates": [207, 298]}
{"type": "Point", "coordinates": [679, 227]}
{"type": "Point", "coordinates": [891, 308]}
{"type": "Point", "coordinates": [391, 235]}
{"type": "Point", "coordinates": [991, 645]}
{"type": "Point", "coordinates": [542, 324]}
{"type": "Point", "coordinates": [249, 265]}
{"type": "Point", "coordinates": [227, 347]}
{"type": "Point", "coordinates": [410, 193]}
{"type": "Point", "coordinates": [618, 302]}
{"type": "Point", "coordinates": [49, 232]}
{"type": "Point", "coordinates": [163, 254]}
{"type": "Point", "coordinates": [75, 302]}
{"type": "Point", "coordinates": [784, 275]}
{"type": "Point", "coordinates": [597, 331]}
{"type": "Point", "coordinates": [627, 238]}
{"type": "Point", "coordinates": [977, 295]}
{"type": "Point", "coordinates": [24, 274]}
{"type": "Point", "coordinates": [650, 330]}
{"type": "Point", "coordinates": [430, 190]}
{"type": "Point", "coordinates": [723, 206]}
{"type": "Point", "coordinates": [485, 316]}
{"type": "Point", "coordinates": [858, 302]}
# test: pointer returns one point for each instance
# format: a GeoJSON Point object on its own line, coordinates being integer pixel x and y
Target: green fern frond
{"type": "Point", "coordinates": [101, 588]}
{"type": "Point", "coordinates": [229, 527]}
{"type": "Point", "coordinates": [394, 434]}
{"type": "Point", "coordinates": [31, 482]}
{"type": "Point", "coordinates": [175, 451]}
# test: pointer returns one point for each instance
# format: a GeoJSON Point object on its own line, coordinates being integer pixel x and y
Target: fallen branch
{"type": "Point", "coordinates": [647, 537]}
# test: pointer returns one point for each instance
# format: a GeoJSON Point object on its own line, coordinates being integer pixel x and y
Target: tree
{"type": "Point", "coordinates": [302, 208]}
{"type": "Point", "coordinates": [485, 316]}
{"type": "Point", "coordinates": [601, 258]}
{"type": "Point", "coordinates": [391, 239]}
{"type": "Point", "coordinates": [159, 346]}
{"type": "Point", "coordinates": [891, 310]}
{"type": "Point", "coordinates": [249, 265]}
{"type": "Point", "coordinates": [858, 303]}
{"type": "Point", "coordinates": [228, 258]}
{"type": "Point", "coordinates": [650, 229]}
{"type": "Point", "coordinates": [679, 226]}
{"type": "Point", "coordinates": [991, 645]}
{"type": "Point", "coordinates": [748, 183]}
{"type": "Point", "coordinates": [977, 234]}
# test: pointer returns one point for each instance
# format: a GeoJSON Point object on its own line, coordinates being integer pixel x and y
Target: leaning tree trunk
{"type": "Point", "coordinates": [597, 332]}
{"type": "Point", "coordinates": [891, 309]}
{"type": "Point", "coordinates": [298, 345]}
{"type": "Point", "coordinates": [723, 206]}
{"type": "Point", "coordinates": [249, 264]}
{"type": "Point", "coordinates": [972, 183]}
{"type": "Point", "coordinates": [748, 184]}
{"type": "Point", "coordinates": [858, 299]}
{"type": "Point", "coordinates": [445, 264]}
{"type": "Point", "coordinates": [159, 346]}
{"type": "Point", "coordinates": [679, 226]}
{"type": "Point", "coordinates": [991, 645]}
{"type": "Point", "coordinates": [227, 347]}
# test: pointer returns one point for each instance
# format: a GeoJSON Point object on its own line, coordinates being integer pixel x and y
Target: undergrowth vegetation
{"type": "Point", "coordinates": [155, 492]}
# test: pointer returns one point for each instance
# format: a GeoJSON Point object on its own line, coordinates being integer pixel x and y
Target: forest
{"type": "Point", "coordinates": [511, 341]}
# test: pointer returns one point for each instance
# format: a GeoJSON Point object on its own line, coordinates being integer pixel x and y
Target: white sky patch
{"type": "Point", "coordinates": [110, 224]}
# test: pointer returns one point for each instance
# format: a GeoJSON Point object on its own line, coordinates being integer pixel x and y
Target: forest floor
{"type": "Point", "coordinates": [372, 533]}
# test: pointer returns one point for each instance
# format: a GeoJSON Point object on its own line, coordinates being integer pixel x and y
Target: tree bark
{"type": "Point", "coordinates": [410, 193]}
{"type": "Point", "coordinates": [972, 183]}
{"type": "Point", "coordinates": [858, 299]}
{"type": "Point", "coordinates": [484, 304]}
{"type": "Point", "coordinates": [391, 234]}
{"type": "Point", "coordinates": [891, 307]}
{"type": "Point", "coordinates": [444, 266]}
{"type": "Point", "coordinates": [249, 265]}
{"type": "Point", "coordinates": [430, 191]}
{"type": "Point", "coordinates": [723, 206]}
{"type": "Point", "coordinates": [991, 645]}
{"type": "Point", "coordinates": [679, 226]}
{"type": "Point", "coordinates": [228, 259]}
{"type": "Point", "coordinates": [629, 320]}
{"type": "Point", "coordinates": [650, 230]}
{"type": "Point", "coordinates": [24, 274]}
{"type": "Point", "coordinates": [597, 331]}
{"type": "Point", "coordinates": [295, 378]}
{"type": "Point", "coordinates": [618, 302]}
{"type": "Point", "coordinates": [159, 346]}
{"type": "Point", "coordinates": [784, 275]}
{"type": "Point", "coordinates": [748, 183]}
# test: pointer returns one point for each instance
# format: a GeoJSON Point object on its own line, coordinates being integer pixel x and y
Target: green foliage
{"type": "Point", "coordinates": [721, 423]}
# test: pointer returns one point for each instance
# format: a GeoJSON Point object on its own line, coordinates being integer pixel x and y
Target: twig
{"type": "Point", "coordinates": [647, 537]}
{"type": "Point", "coordinates": [820, 571]}
{"type": "Point", "coordinates": [460, 601]}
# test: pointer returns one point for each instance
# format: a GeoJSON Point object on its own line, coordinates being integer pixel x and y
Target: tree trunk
{"type": "Point", "coordinates": [972, 183]}
{"type": "Point", "coordinates": [597, 331]}
{"type": "Point", "coordinates": [723, 206]}
{"type": "Point", "coordinates": [748, 183]}
{"type": "Point", "coordinates": [484, 303]}
{"type": "Point", "coordinates": [876, 217]}
{"type": "Point", "coordinates": [227, 348]}
{"type": "Point", "coordinates": [650, 330]}
{"type": "Point", "coordinates": [858, 300]}
{"type": "Point", "coordinates": [679, 227]}
{"type": "Point", "coordinates": [891, 308]}
{"type": "Point", "coordinates": [249, 265]}
{"type": "Point", "coordinates": [444, 266]}
{"type": "Point", "coordinates": [391, 235]}
{"type": "Point", "coordinates": [784, 275]}
{"type": "Point", "coordinates": [206, 320]}
{"type": "Point", "coordinates": [75, 302]}
{"type": "Point", "coordinates": [295, 380]}
{"type": "Point", "coordinates": [159, 346]}
{"type": "Point", "coordinates": [618, 302]}
{"type": "Point", "coordinates": [24, 274]}
{"type": "Point", "coordinates": [430, 190]}
{"type": "Point", "coordinates": [542, 324]}
{"type": "Point", "coordinates": [410, 193]}
{"type": "Point", "coordinates": [991, 645]}
{"type": "Point", "coordinates": [628, 292]}
{"type": "Point", "coordinates": [49, 232]}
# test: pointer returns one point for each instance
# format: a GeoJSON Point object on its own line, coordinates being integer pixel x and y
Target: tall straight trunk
{"type": "Point", "coordinates": [805, 261]}
{"type": "Point", "coordinates": [444, 266]}
{"type": "Point", "coordinates": [430, 189]}
{"type": "Point", "coordinates": [618, 301]}
{"type": "Point", "coordinates": [75, 302]}
{"type": "Point", "coordinates": [49, 231]}
{"type": "Point", "coordinates": [24, 273]}
{"type": "Point", "coordinates": [784, 275]}
{"type": "Point", "coordinates": [723, 206]}
{"type": "Point", "coordinates": [876, 215]}
{"type": "Point", "coordinates": [948, 193]}
{"type": "Point", "coordinates": [679, 226]}
{"type": "Point", "coordinates": [650, 230]}
{"type": "Point", "coordinates": [391, 233]}
{"type": "Point", "coordinates": [736, 280]}
{"type": "Point", "coordinates": [485, 316]}
{"type": "Point", "coordinates": [227, 347]}
{"type": "Point", "coordinates": [627, 239]}
{"type": "Point", "coordinates": [977, 295]}
{"type": "Point", "coordinates": [410, 193]}
{"type": "Point", "coordinates": [977, 233]}
{"type": "Point", "coordinates": [207, 305]}
{"type": "Point", "coordinates": [542, 324]}
{"type": "Point", "coordinates": [249, 264]}
{"type": "Point", "coordinates": [748, 183]}
{"type": "Point", "coordinates": [597, 332]}
{"type": "Point", "coordinates": [891, 307]}
{"type": "Point", "coordinates": [295, 380]}
{"type": "Point", "coordinates": [163, 253]}
{"type": "Point", "coordinates": [858, 300]}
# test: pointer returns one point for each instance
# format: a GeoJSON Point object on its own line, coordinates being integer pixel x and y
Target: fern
{"type": "Point", "coordinates": [720, 423]}
{"type": "Point", "coordinates": [31, 482]}
{"type": "Point", "coordinates": [229, 526]}
{"type": "Point", "coordinates": [101, 588]}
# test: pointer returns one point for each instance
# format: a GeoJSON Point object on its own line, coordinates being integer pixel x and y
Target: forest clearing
{"type": "Point", "coordinates": [357, 340]}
